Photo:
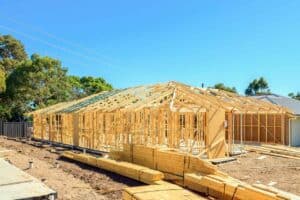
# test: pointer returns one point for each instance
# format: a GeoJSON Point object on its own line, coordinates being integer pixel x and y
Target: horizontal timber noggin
{"type": "Point", "coordinates": [202, 122]}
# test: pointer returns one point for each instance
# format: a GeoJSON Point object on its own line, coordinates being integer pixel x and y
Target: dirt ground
{"type": "Point", "coordinates": [78, 181]}
{"type": "Point", "coordinates": [70, 180]}
{"type": "Point", "coordinates": [282, 173]}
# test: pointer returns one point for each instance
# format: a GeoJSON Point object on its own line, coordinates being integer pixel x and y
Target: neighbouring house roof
{"type": "Point", "coordinates": [290, 103]}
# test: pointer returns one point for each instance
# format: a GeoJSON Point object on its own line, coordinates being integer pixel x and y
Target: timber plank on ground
{"type": "Point", "coordinates": [164, 190]}
{"type": "Point", "coordinates": [130, 170]}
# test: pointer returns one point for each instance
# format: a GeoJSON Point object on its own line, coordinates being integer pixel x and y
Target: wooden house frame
{"type": "Point", "coordinates": [203, 122]}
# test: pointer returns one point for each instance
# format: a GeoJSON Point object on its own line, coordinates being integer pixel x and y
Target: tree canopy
{"type": "Point", "coordinates": [87, 85]}
{"type": "Point", "coordinates": [12, 51]}
{"type": "Point", "coordinates": [295, 96]}
{"type": "Point", "coordinates": [221, 86]}
{"type": "Point", "coordinates": [91, 85]}
{"type": "Point", "coordinates": [2, 81]}
{"type": "Point", "coordinates": [37, 82]}
{"type": "Point", "coordinates": [258, 87]}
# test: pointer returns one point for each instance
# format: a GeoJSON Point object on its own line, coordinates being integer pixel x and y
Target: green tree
{"type": "Point", "coordinates": [5, 111]}
{"type": "Point", "coordinates": [2, 81]}
{"type": "Point", "coordinates": [221, 86]}
{"type": "Point", "coordinates": [258, 87]}
{"type": "Point", "coordinates": [36, 83]}
{"type": "Point", "coordinates": [75, 86]}
{"type": "Point", "coordinates": [86, 85]}
{"type": "Point", "coordinates": [91, 85]}
{"type": "Point", "coordinates": [295, 96]}
{"type": "Point", "coordinates": [28, 84]}
{"type": "Point", "coordinates": [12, 51]}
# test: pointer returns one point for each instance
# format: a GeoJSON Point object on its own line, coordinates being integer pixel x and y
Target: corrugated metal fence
{"type": "Point", "coordinates": [16, 129]}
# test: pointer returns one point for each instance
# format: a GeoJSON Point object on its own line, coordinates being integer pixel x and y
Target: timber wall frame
{"type": "Point", "coordinates": [258, 128]}
{"type": "Point", "coordinates": [110, 131]}
{"type": "Point", "coordinates": [202, 122]}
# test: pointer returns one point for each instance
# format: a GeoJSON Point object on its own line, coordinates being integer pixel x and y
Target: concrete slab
{"type": "Point", "coordinates": [16, 184]}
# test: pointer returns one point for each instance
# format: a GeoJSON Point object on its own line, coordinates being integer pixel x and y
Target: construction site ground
{"type": "Point", "coordinates": [70, 180]}
{"type": "Point", "coordinates": [282, 173]}
{"type": "Point", "coordinates": [78, 181]}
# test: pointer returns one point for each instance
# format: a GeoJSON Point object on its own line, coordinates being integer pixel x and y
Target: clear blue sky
{"type": "Point", "coordinates": [138, 42]}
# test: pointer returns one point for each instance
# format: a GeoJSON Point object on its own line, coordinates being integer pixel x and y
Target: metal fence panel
{"type": "Point", "coordinates": [1, 127]}
{"type": "Point", "coordinates": [16, 129]}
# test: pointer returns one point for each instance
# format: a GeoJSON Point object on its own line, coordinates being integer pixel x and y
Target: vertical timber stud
{"type": "Point", "coordinates": [43, 129]}
{"type": "Point", "coordinates": [266, 124]}
{"type": "Point", "coordinates": [230, 131]}
{"type": "Point", "coordinates": [244, 127]}
{"type": "Point", "coordinates": [258, 126]}
{"type": "Point", "coordinates": [61, 122]}
{"type": "Point", "coordinates": [170, 128]}
{"type": "Point", "coordinates": [290, 131]}
{"type": "Point", "coordinates": [251, 137]}
{"type": "Point", "coordinates": [241, 128]}
{"type": "Point", "coordinates": [154, 127]}
{"type": "Point", "coordinates": [215, 136]}
{"type": "Point", "coordinates": [94, 125]}
{"type": "Point", "coordinates": [75, 129]}
{"type": "Point", "coordinates": [233, 129]}
{"type": "Point", "coordinates": [51, 138]}
{"type": "Point", "coordinates": [160, 127]}
{"type": "Point", "coordinates": [190, 128]}
{"type": "Point", "coordinates": [274, 128]}
{"type": "Point", "coordinates": [173, 129]}
{"type": "Point", "coordinates": [282, 129]}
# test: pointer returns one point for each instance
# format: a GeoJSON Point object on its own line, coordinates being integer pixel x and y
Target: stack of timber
{"type": "Point", "coordinates": [181, 169]}
{"type": "Point", "coordinates": [275, 150]}
{"type": "Point", "coordinates": [156, 190]}
{"type": "Point", "coordinates": [280, 193]}
{"type": "Point", "coordinates": [223, 187]}
{"type": "Point", "coordinates": [130, 170]}
{"type": "Point", "coordinates": [160, 191]}
{"type": "Point", "coordinates": [199, 175]}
